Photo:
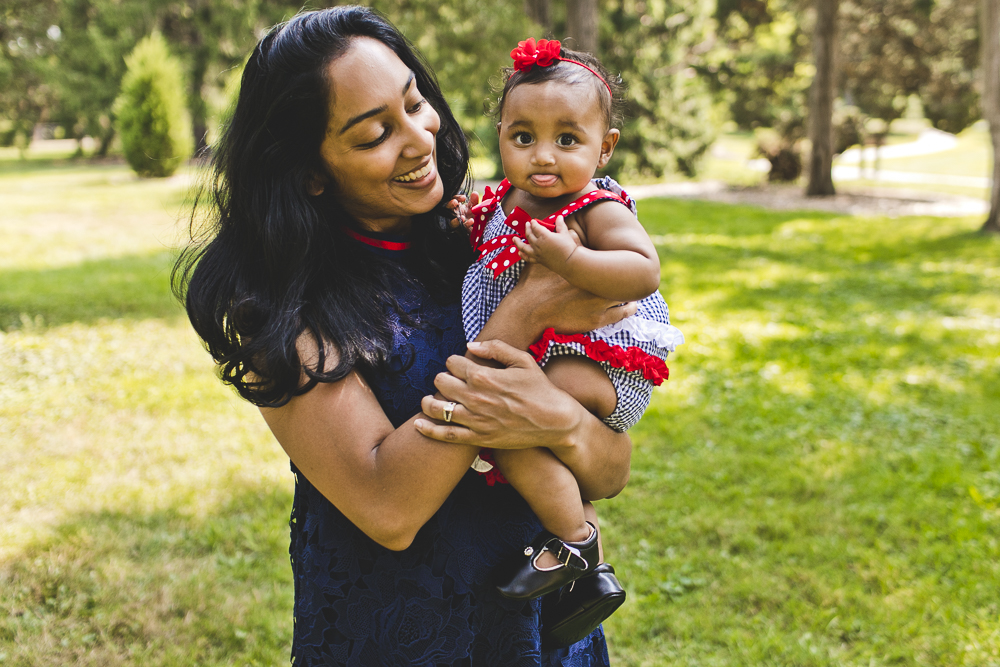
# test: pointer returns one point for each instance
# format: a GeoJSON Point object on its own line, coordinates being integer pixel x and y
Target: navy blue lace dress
{"type": "Point", "coordinates": [358, 603]}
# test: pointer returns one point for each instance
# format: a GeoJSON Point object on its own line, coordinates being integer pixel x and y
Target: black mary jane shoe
{"type": "Point", "coordinates": [572, 613]}
{"type": "Point", "coordinates": [522, 579]}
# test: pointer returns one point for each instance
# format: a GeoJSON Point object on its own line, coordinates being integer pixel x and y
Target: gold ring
{"type": "Point", "coordinates": [449, 408]}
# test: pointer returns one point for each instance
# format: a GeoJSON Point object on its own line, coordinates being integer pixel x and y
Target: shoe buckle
{"type": "Point", "coordinates": [567, 553]}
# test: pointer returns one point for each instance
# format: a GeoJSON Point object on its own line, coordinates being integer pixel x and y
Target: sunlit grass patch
{"type": "Point", "coordinates": [145, 506]}
{"type": "Point", "coordinates": [808, 483]}
{"type": "Point", "coordinates": [818, 483]}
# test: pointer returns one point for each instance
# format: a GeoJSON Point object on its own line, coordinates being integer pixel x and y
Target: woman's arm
{"type": "Point", "coordinates": [387, 481]}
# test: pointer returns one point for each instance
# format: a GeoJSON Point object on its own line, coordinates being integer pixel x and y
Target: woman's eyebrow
{"type": "Point", "coordinates": [377, 110]}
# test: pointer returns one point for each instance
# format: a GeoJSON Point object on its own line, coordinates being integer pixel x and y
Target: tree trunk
{"type": "Point", "coordinates": [538, 11]}
{"type": "Point", "coordinates": [581, 24]}
{"type": "Point", "coordinates": [196, 99]}
{"type": "Point", "coordinates": [821, 96]}
{"type": "Point", "coordinates": [991, 100]}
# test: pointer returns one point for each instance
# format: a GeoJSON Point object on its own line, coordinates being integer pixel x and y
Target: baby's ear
{"type": "Point", "coordinates": [608, 146]}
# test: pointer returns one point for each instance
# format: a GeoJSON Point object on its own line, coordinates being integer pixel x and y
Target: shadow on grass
{"type": "Point", "coordinates": [135, 287]}
{"type": "Point", "coordinates": [158, 588]}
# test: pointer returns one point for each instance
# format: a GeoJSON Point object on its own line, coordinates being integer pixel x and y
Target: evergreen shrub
{"type": "Point", "coordinates": [150, 110]}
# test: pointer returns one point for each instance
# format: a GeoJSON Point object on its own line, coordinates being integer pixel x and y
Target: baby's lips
{"type": "Point", "coordinates": [543, 179]}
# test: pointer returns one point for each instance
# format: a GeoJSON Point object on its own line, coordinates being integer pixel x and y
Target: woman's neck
{"type": "Point", "coordinates": [398, 226]}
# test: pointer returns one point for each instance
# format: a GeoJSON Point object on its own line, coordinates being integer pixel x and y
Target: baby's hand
{"type": "Point", "coordinates": [551, 249]}
{"type": "Point", "coordinates": [462, 207]}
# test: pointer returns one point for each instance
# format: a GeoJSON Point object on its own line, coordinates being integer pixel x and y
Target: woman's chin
{"type": "Point", "coordinates": [422, 195]}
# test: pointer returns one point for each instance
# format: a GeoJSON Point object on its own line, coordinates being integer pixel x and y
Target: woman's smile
{"type": "Point", "coordinates": [418, 174]}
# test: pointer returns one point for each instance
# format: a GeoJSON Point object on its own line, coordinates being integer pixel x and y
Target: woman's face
{"type": "Point", "coordinates": [380, 139]}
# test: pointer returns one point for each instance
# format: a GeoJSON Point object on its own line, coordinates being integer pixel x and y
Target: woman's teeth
{"type": "Point", "coordinates": [414, 175]}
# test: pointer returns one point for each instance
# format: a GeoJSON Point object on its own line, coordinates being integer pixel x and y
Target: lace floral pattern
{"type": "Point", "coordinates": [357, 603]}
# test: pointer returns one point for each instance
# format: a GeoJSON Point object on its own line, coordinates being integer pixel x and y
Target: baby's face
{"type": "Point", "coordinates": [553, 137]}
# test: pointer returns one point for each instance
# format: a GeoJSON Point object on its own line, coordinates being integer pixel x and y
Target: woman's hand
{"type": "Point", "coordinates": [511, 407]}
{"type": "Point", "coordinates": [517, 407]}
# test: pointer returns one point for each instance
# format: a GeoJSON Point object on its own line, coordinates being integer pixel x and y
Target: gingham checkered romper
{"type": "Point", "coordinates": [632, 352]}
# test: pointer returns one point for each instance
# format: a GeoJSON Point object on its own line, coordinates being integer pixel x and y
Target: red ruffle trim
{"type": "Point", "coordinates": [492, 476]}
{"type": "Point", "coordinates": [631, 359]}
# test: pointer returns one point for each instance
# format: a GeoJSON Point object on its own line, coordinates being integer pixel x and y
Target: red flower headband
{"type": "Point", "coordinates": [543, 53]}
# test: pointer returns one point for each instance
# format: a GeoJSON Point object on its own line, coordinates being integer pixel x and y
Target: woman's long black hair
{"type": "Point", "coordinates": [273, 262]}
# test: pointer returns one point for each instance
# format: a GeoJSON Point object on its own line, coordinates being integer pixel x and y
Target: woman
{"type": "Point", "coordinates": [328, 293]}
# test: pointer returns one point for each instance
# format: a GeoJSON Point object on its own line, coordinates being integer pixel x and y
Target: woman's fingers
{"type": "Point", "coordinates": [444, 410]}
{"type": "Point", "coordinates": [500, 352]}
{"type": "Point", "coordinates": [445, 432]}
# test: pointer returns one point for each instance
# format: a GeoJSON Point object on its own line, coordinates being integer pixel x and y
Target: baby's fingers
{"type": "Point", "coordinates": [527, 252]}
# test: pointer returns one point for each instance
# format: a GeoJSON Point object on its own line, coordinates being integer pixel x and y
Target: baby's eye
{"type": "Point", "coordinates": [522, 138]}
{"type": "Point", "coordinates": [566, 140]}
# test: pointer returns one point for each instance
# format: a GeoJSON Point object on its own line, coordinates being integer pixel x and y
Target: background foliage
{"type": "Point", "coordinates": [690, 65]}
{"type": "Point", "coordinates": [152, 120]}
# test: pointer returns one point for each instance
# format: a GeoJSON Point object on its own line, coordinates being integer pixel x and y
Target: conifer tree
{"type": "Point", "coordinates": [150, 110]}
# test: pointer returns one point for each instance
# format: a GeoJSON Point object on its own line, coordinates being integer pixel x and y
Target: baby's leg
{"type": "Point", "coordinates": [549, 488]}
{"type": "Point", "coordinates": [543, 480]}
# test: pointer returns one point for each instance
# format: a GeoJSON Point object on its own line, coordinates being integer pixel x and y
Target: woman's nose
{"type": "Point", "coordinates": [421, 132]}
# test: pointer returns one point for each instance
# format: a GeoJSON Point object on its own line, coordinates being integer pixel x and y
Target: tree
{"type": "Point", "coordinates": [821, 96]}
{"type": "Point", "coordinates": [26, 46]}
{"type": "Point", "coordinates": [898, 48]}
{"type": "Point", "coordinates": [581, 24]}
{"type": "Point", "coordinates": [658, 46]}
{"type": "Point", "coordinates": [540, 12]}
{"type": "Point", "coordinates": [990, 18]}
{"type": "Point", "coordinates": [151, 115]}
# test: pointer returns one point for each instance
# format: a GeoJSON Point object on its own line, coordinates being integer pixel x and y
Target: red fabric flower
{"type": "Point", "coordinates": [529, 53]}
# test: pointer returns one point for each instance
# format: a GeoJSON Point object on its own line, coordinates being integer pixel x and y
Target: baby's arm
{"type": "Point", "coordinates": [616, 261]}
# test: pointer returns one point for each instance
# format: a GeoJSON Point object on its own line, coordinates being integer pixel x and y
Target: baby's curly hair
{"type": "Point", "coordinates": [612, 105]}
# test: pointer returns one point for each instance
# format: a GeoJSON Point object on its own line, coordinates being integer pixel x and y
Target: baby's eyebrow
{"type": "Point", "coordinates": [570, 124]}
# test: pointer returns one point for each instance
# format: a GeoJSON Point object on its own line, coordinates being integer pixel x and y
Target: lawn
{"type": "Point", "coordinates": [817, 484]}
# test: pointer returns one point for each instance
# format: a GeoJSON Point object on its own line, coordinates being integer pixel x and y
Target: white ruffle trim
{"type": "Point", "coordinates": [480, 465]}
{"type": "Point", "coordinates": [639, 328]}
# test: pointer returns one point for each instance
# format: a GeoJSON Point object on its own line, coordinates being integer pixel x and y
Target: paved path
{"type": "Point", "coordinates": [892, 202]}
{"type": "Point", "coordinates": [928, 142]}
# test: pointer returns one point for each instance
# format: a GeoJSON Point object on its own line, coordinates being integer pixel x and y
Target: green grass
{"type": "Point", "coordinates": [817, 484]}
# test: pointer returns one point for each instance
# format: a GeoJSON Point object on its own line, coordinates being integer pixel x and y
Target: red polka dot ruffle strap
{"type": "Point", "coordinates": [516, 221]}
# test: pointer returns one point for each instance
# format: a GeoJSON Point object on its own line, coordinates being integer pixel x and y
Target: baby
{"type": "Point", "coordinates": [555, 114]}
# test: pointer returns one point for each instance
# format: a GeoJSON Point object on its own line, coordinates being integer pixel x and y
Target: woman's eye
{"type": "Point", "coordinates": [566, 140]}
{"type": "Point", "coordinates": [522, 138]}
{"type": "Point", "coordinates": [417, 107]}
{"type": "Point", "coordinates": [373, 144]}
